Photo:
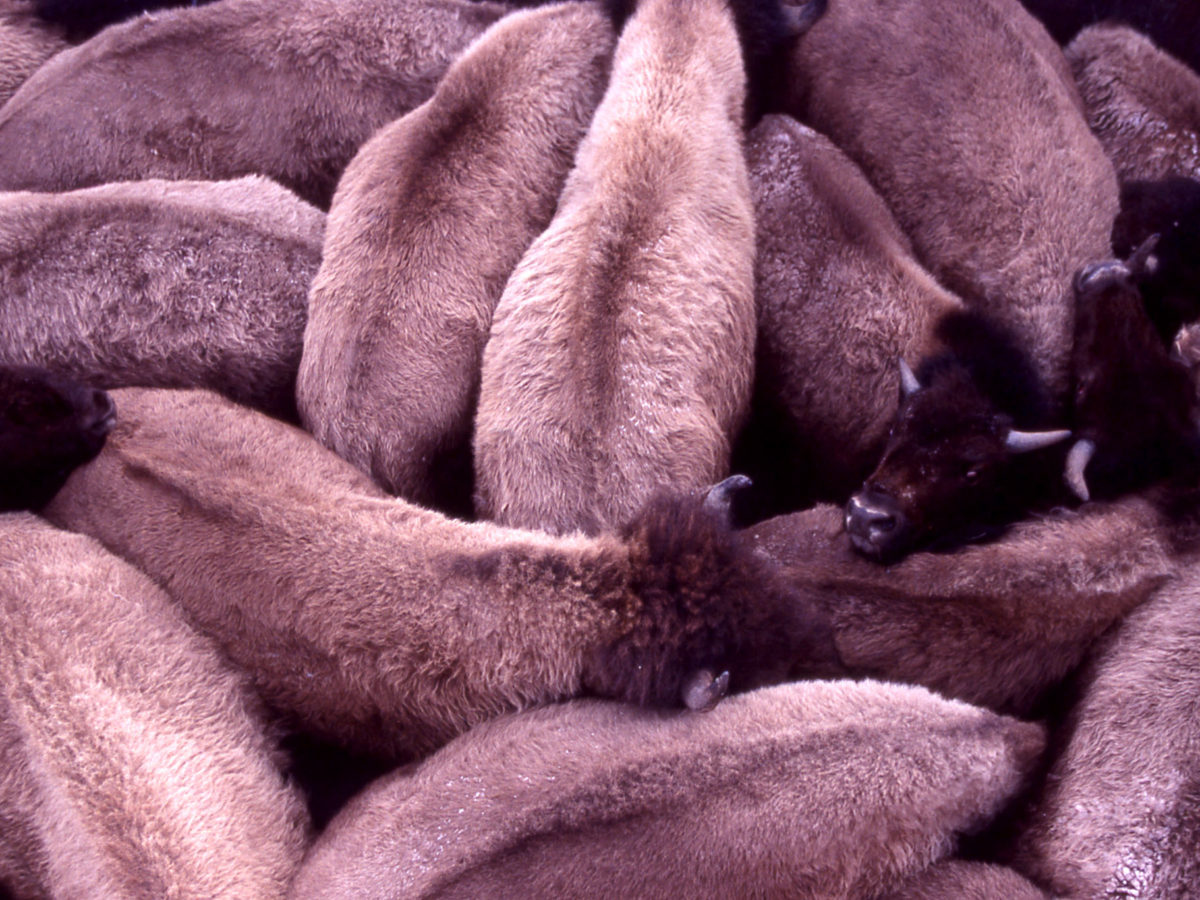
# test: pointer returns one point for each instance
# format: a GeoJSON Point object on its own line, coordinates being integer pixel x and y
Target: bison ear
{"type": "Point", "coordinates": [1024, 441]}
{"type": "Point", "coordinates": [719, 498]}
{"type": "Point", "coordinates": [1077, 460]}
{"type": "Point", "coordinates": [702, 691]}
{"type": "Point", "coordinates": [908, 381]}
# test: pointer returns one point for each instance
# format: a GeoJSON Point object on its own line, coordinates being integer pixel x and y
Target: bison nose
{"type": "Point", "coordinates": [873, 523]}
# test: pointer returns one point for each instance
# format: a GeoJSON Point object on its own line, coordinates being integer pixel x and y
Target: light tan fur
{"type": "Point", "coordinates": [1119, 813]}
{"type": "Point", "coordinates": [25, 43]}
{"type": "Point", "coordinates": [284, 88]}
{"type": "Point", "coordinates": [840, 300]}
{"type": "Point", "coordinates": [963, 118]}
{"type": "Point", "coordinates": [426, 226]}
{"type": "Point", "coordinates": [995, 624]}
{"type": "Point", "coordinates": [135, 763]}
{"type": "Point", "coordinates": [389, 628]}
{"type": "Point", "coordinates": [825, 790]}
{"type": "Point", "coordinates": [161, 283]}
{"type": "Point", "coordinates": [1142, 103]}
{"type": "Point", "coordinates": [621, 354]}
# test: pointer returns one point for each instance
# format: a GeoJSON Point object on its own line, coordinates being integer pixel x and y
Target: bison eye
{"type": "Point", "coordinates": [971, 474]}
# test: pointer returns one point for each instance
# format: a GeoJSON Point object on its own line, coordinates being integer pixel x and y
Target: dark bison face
{"type": "Point", "coordinates": [953, 468]}
{"type": "Point", "coordinates": [48, 426]}
{"type": "Point", "coordinates": [1170, 284]}
{"type": "Point", "coordinates": [1135, 406]}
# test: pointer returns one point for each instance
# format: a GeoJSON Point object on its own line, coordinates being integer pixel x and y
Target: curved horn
{"type": "Point", "coordinates": [1142, 261]}
{"type": "Point", "coordinates": [1024, 441]}
{"type": "Point", "coordinates": [702, 692]}
{"type": "Point", "coordinates": [1077, 460]}
{"type": "Point", "coordinates": [799, 18]}
{"type": "Point", "coordinates": [719, 498]}
{"type": "Point", "coordinates": [908, 381]}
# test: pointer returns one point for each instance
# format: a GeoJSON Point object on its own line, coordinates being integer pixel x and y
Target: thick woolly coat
{"type": "Point", "coordinates": [966, 120]}
{"type": "Point", "coordinates": [135, 759]}
{"type": "Point", "coordinates": [996, 624]}
{"type": "Point", "coordinates": [389, 628]}
{"type": "Point", "coordinates": [284, 88]}
{"type": "Point", "coordinates": [621, 353]}
{"type": "Point", "coordinates": [25, 43]}
{"type": "Point", "coordinates": [830, 790]}
{"type": "Point", "coordinates": [426, 226]}
{"type": "Point", "coordinates": [161, 283]}
{"type": "Point", "coordinates": [840, 300]}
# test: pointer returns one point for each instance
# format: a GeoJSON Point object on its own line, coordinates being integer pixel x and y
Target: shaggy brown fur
{"type": "Point", "coordinates": [621, 354]}
{"type": "Point", "coordinates": [995, 624]}
{"type": "Point", "coordinates": [956, 879]}
{"type": "Point", "coordinates": [161, 283]}
{"type": "Point", "coordinates": [285, 88]}
{"type": "Point", "coordinates": [1119, 815]}
{"type": "Point", "coordinates": [135, 764]}
{"type": "Point", "coordinates": [25, 43]}
{"type": "Point", "coordinates": [964, 118]}
{"type": "Point", "coordinates": [390, 628]}
{"type": "Point", "coordinates": [818, 790]}
{"type": "Point", "coordinates": [427, 224]}
{"type": "Point", "coordinates": [840, 300]}
{"type": "Point", "coordinates": [1142, 103]}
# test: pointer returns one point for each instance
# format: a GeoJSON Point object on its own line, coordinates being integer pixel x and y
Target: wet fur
{"type": "Point", "coordinates": [389, 628]}
{"type": "Point", "coordinates": [283, 88]}
{"type": "Point", "coordinates": [998, 624]}
{"type": "Point", "coordinates": [161, 283]}
{"type": "Point", "coordinates": [840, 300]}
{"type": "Point", "coordinates": [48, 426]}
{"type": "Point", "coordinates": [593, 799]}
{"type": "Point", "coordinates": [620, 357]}
{"type": "Point", "coordinates": [966, 120]}
{"type": "Point", "coordinates": [136, 762]}
{"type": "Point", "coordinates": [426, 226]}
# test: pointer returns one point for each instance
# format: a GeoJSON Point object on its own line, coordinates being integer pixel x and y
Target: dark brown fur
{"type": "Point", "coordinates": [815, 790]}
{"type": "Point", "coordinates": [621, 354]}
{"type": "Point", "coordinates": [964, 118]}
{"type": "Point", "coordinates": [1143, 104]}
{"type": "Point", "coordinates": [995, 624]}
{"type": "Point", "coordinates": [48, 426]}
{"type": "Point", "coordinates": [284, 88]}
{"type": "Point", "coordinates": [135, 763]}
{"type": "Point", "coordinates": [390, 628]}
{"type": "Point", "coordinates": [1119, 814]}
{"type": "Point", "coordinates": [840, 300]}
{"type": "Point", "coordinates": [427, 224]}
{"type": "Point", "coordinates": [161, 283]}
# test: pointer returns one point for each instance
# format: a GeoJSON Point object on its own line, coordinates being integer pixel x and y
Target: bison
{"type": "Point", "coordinates": [820, 789]}
{"type": "Point", "coordinates": [25, 44]}
{"type": "Point", "coordinates": [390, 629]}
{"type": "Point", "coordinates": [161, 283]}
{"type": "Point", "coordinates": [621, 353]}
{"type": "Point", "coordinates": [426, 226]}
{"type": "Point", "coordinates": [283, 88]}
{"type": "Point", "coordinates": [136, 763]}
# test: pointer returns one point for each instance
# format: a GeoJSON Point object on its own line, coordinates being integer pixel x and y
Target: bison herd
{"type": "Point", "coordinates": [379, 383]}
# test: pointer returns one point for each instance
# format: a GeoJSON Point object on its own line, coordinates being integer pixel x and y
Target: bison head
{"type": "Point", "coordinates": [48, 426]}
{"type": "Point", "coordinates": [1135, 410]}
{"type": "Point", "coordinates": [956, 465]}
